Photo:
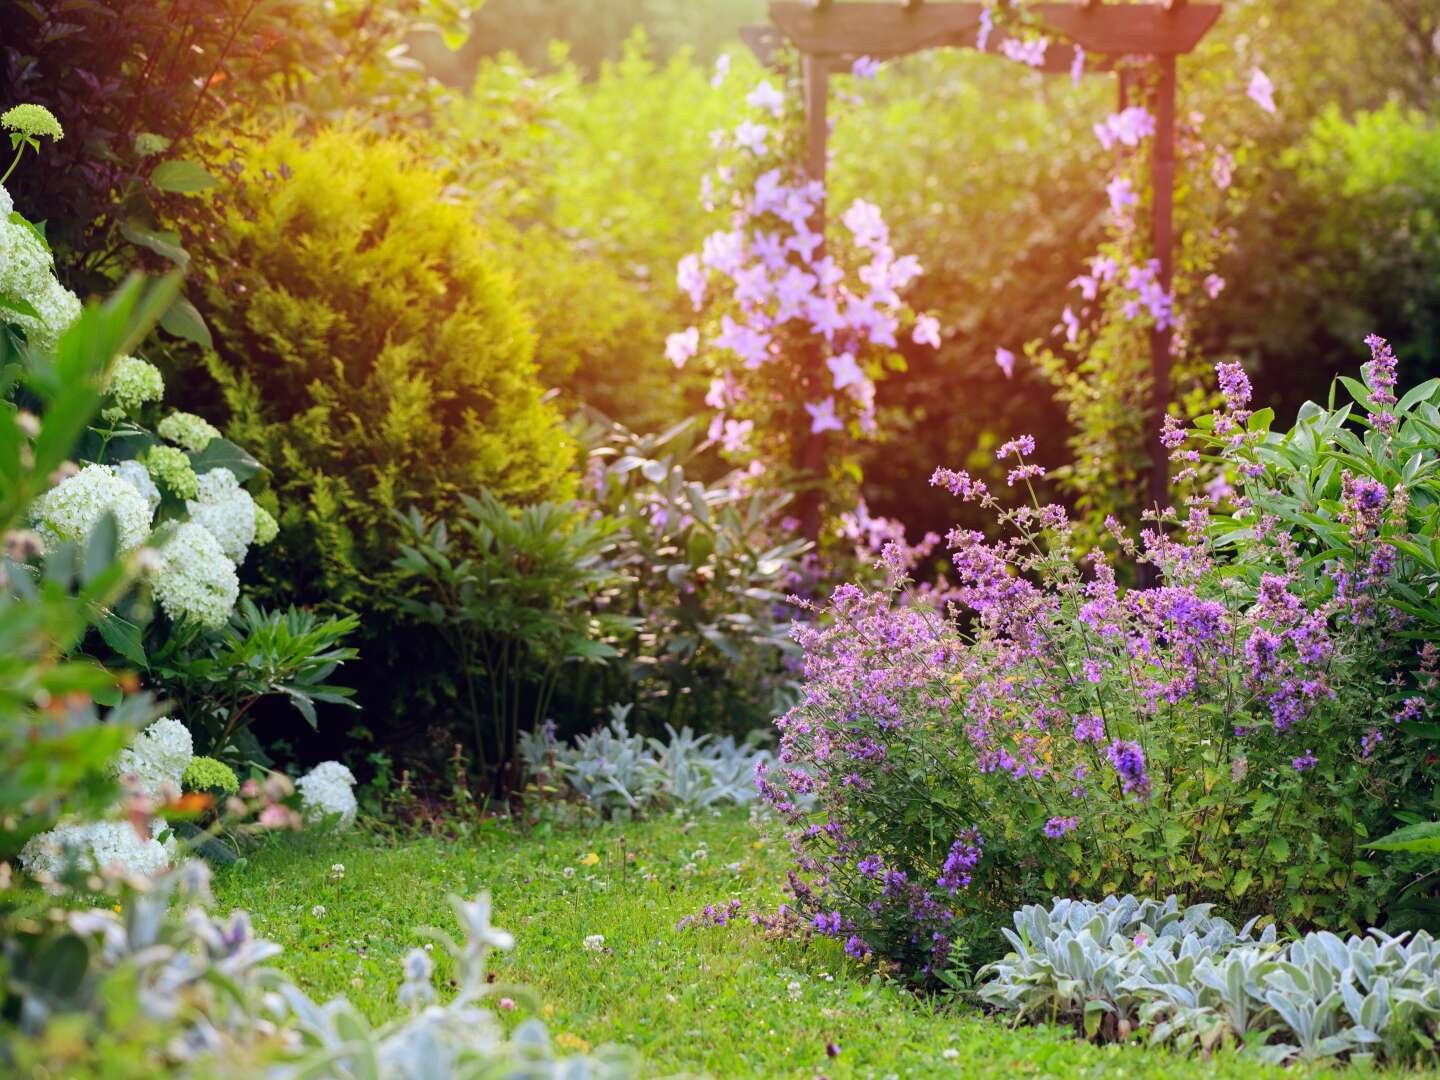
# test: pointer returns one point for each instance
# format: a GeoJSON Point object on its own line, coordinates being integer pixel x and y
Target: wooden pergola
{"type": "Point", "coordinates": [829, 36]}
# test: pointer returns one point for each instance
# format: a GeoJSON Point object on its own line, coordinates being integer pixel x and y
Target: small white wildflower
{"type": "Point", "coordinates": [318, 911]}
{"type": "Point", "coordinates": [337, 871]}
{"type": "Point", "coordinates": [688, 869]}
{"type": "Point", "coordinates": [595, 943]}
{"type": "Point", "coordinates": [568, 872]}
{"type": "Point", "coordinates": [950, 1053]}
{"type": "Point", "coordinates": [699, 855]}
{"type": "Point", "coordinates": [794, 990]}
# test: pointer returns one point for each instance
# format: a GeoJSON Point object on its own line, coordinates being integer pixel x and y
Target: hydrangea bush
{"type": "Point", "coordinates": [1214, 737]}
{"type": "Point", "coordinates": [128, 471]}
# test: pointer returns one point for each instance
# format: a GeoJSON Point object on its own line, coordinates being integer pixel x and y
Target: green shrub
{"type": "Point", "coordinates": [371, 354]}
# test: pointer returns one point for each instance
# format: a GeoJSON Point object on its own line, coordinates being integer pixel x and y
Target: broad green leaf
{"type": "Point", "coordinates": [182, 177]}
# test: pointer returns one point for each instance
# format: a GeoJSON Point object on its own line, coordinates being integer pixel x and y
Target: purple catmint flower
{"type": "Point", "coordinates": [872, 866]}
{"type": "Point", "coordinates": [1128, 761]}
{"type": "Point", "coordinates": [1089, 728]}
{"type": "Point", "coordinates": [963, 857]}
{"type": "Point", "coordinates": [1021, 446]}
{"type": "Point", "coordinates": [827, 924]}
{"type": "Point", "coordinates": [1369, 742]}
{"type": "Point", "coordinates": [856, 947]}
{"type": "Point", "coordinates": [1381, 379]}
{"type": "Point", "coordinates": [1057, 827]}
{"type": "Point", "coordinates": [1305, 762]}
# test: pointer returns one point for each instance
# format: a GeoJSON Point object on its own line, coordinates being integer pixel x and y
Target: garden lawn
{"type": "Point", "coordinates": [718, 1001]}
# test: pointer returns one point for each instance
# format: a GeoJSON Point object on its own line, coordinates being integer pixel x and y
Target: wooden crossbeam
{"type": "Point", "coordinates": [885, 30]}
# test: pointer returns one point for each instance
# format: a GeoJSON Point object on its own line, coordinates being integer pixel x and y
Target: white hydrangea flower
{"type": "Point", "coordinates": [68, 511]}
{"type": "Point", "coordinates": [138, 477]}
{"type": "Point", "coordinates": [326, 790]}
{"type": "Point", "coordinates": [187, 430]}
{"type": "Point", "coordinates": [158, 757]}
{"type": "Point", "coordinates": [25, 266]}
{"type": "Point", "coordinates": [98, 846]}
{"type": "Point", "coordinates": [7, 204]}
{"type": "Point", "coordinates": [58, 308]}
{"type": "Point", "coordinates": [133, 382]}
{"type": "Point", "coordinates": [195, 579]}
{"type": "Point", "coordinates": [226, 511]}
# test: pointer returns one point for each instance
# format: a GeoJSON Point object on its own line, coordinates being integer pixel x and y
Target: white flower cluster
{"type": "Point", "coordinates": [158, 759]}
{"type": "Point", "coordinates": [187, 430]}
{"type": "Point", "coordinates": [226, 511]}
{"type": "Point", "coordinates": [137, 476]}
{"type": "Point", "coordinates": [27, 273]}
{"type": "Point", "coordinates": [96, 847]}
{"type": "Point", "coordinates": [195, 580]}
{"type": "Point", "coordinates": [68, 511]}
{"type": "Point", "coordinates": [326, 790]}
{"type": "Point", "coordinates": [132, 383]}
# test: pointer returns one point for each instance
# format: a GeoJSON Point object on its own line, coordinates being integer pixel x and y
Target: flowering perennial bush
{"type": "Point", "coordinates": [1211, 737]}
{"type": "Point", "coordinates": [794, 335]}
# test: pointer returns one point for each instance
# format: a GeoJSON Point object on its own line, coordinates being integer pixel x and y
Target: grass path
{"type": "Point", "coordinates": [723, 1002]}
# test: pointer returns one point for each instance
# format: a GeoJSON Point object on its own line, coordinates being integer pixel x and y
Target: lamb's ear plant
{"type": "Point", "coordinates": [1183, 977]}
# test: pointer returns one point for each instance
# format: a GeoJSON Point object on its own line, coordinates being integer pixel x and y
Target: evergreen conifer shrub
{"type": "Point", "coordinates": [371, 351]}
{"type": "Point", "coordinates": [373, 357]}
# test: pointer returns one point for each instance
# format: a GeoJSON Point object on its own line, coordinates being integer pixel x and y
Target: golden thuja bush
{"type": "Point", "coordinates": [370, 352]}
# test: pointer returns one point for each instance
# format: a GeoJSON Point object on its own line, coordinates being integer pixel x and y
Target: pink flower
{"type": "Point", "coordinates": [506, 1004]}
{"type": "Point", "coordinates": [866, 67]}
{"type": "Point", "coordinates": [735, 436]}
{"type": "Point", "coordinates": [722, 68]}
{"type": "Point", "coordinates": [1077, 67]}
{"type": "Point", "coordinates": [846, 371]}
{"type": "Point", "coordinates": [1262, 91]}
{"type": "Point", "coordinates": [1214, 285]}
{"type": "Point", "coordinates": [927, 331]}
{"type": "Point", "coordinates": [690, 279]}
{"type": "Point", "coordinates": [751, 136]}
{"type": "Point", "coordinates": [1222, 172]}
{"type": "Point", "coordinates": [1005, 360]}
{"type": "Point", "coordinates": [1026, 52]}
{"type": "Point", "coordinates": [864, 220]}
{"type": "Point", "coordinates": [823, 418]}
{"type": "Point", "coordinates": [1072, 325]}
{"type": "Point", "coordinates": [681, 346]}
{"type": "Point", "coordinates": [1127, 127]}
{"type": "Point", "coordinates": [767, 98]}
{"type": "Point", "coordinates": [1122, 194]}
{"type": "Point", "coordinates": [987, 27]}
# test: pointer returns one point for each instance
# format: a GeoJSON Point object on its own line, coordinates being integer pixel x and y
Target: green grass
{"type": "Point", "coordinates": [724, 1002]}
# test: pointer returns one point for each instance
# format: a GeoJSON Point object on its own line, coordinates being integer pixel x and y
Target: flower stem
{"type": "Point", "coordinates": [19, 150]}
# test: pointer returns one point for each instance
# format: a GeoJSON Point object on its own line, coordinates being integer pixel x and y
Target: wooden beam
{"type": "Point", "coordinates": [884, 30]}
{"type": "Point", "coordinates": [1162, 173]}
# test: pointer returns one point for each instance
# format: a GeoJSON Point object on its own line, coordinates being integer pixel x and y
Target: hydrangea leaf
{"type": "Point", "coordinates": [223, 454]}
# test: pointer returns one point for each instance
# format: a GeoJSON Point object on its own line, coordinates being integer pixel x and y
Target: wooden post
{"type": "Point", "coordinates": [1163, 234]}
{"type": "Point", "coordinates": [810, 456]}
